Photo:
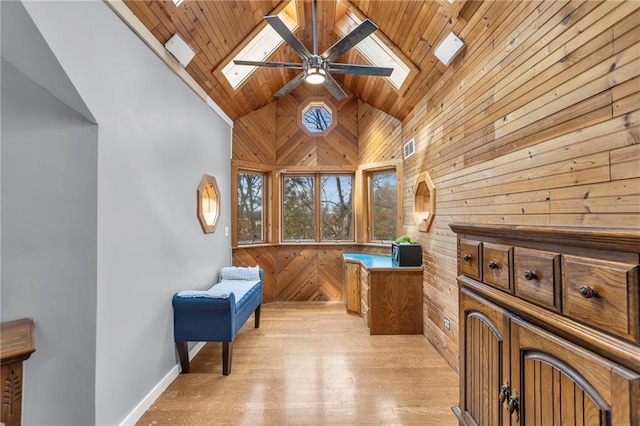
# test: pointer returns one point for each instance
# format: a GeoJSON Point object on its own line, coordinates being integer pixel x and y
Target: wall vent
{"type": "Point", "coordinates": [409, 149]}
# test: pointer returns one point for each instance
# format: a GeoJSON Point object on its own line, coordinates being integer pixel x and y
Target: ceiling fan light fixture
{"type": "Point", "coordinates": [315, 75]}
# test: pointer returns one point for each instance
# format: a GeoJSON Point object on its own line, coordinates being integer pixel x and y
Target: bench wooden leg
{"type": "Point", "coordinates": [227, 352]}
{"type": "Point", "coordinates": [183, 354]}
{"type": "Point", "coordinates": [257, 315]}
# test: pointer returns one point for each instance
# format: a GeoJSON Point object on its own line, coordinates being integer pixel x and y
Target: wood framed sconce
{"type": "Point", "coordinates": [208, 204]}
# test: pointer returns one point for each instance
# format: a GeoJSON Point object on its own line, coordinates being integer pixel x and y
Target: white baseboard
{"type": "Point", "coordinates": [151, 397]}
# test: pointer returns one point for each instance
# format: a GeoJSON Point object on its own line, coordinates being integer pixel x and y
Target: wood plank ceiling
{"type": "Point", "coordinates": [217, 30]}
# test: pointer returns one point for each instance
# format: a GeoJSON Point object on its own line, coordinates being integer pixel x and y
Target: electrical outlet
{"type": "Point", "coordinates": [447, 324]}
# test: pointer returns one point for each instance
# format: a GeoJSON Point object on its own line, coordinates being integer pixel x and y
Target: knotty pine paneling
{"type": "Point", "coordinates": [271, 136]}
{"type": "Point", "coordinates": [379, 135]}
{"type": "Point", "coordinates": [296, 147]}
{"type": "Point", "coordinates": [537, 123]}
{"type": "Point", "coordinates": [254, 136]}
{"type": "Point", "coordinates": [265, 257]}
{"type": "Point", "coordinates": [301, 272]}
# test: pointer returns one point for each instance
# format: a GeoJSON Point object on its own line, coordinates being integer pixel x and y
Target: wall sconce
{"type": "Point", "coordinates": [208, 204]}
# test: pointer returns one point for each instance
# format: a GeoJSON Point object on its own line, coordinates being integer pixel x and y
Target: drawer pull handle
{"type": "Point", "coordinates": [466, 257]}
{"type": "Point", "coordinates": [513, 406]}
{"type": "Point", "coordinates": [529, 275]}
{"type": "Point", "coordinates": [493, 265]}
{"type": "Point", "coordinates": [588, 292]}
{"type": "Point", "coordinates": [504, 393]}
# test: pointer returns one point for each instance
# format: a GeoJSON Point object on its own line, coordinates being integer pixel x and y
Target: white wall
{"type": "Point", "coordinates": [156, 139]}
{"type": "Point", "coordinates": [49, 246]}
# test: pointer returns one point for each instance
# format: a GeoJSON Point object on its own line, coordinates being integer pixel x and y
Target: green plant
{"type": "Point", "coordinates": [405, 239]}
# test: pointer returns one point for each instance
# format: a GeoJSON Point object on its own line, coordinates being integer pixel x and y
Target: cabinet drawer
{"type": "Point", "coordinates": [364, 296]}
{"type": "Point", "coordinates": [496, 259]}
{"type": "Point", "coordinates": [365, 314]}
{"type": "Point", "coordinates": [537, 277]}
{"type": "Point", "coordinates": [364, 278]}
{"type": "Point", "coordinates": [469, 261]}
{"type": "Point", "coordinates": [603, 294]}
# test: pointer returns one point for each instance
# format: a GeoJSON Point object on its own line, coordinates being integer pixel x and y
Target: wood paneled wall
{"type": "Point", "coordinates": [300, 272]}
{"type": "Point", "coordinates": [537, 123]}
{"type": "Point", "coordinates": [272, 137]}
{"type": "Point", "coordinates": [379, 135]}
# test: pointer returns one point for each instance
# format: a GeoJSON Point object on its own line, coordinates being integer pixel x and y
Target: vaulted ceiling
{"type": "Point", "coordinates": [217, 30]}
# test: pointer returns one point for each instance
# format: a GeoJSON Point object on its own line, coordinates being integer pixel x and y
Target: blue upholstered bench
{"type": "Point", "coordinates": [217, 314]}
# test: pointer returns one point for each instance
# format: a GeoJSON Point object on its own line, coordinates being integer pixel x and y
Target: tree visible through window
{"type": "Point", "coordinates": [337, 211]}
{"type": "Point", "coordinates": [299, 208]}
{"type": "Point", "coordinates": [383, 193]}
{"type": "Point", "coordinates": [250, 207]}
{"type": "Point", "coordinates": [317, 117]}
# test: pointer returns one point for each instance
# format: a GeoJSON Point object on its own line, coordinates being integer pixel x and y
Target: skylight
{"type": "Point", "coordinates": [259, 48]}
{"type": "Point", "coordinates": [375, 50]}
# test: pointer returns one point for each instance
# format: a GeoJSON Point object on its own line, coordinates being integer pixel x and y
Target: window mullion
{"type": "Point", "coordinates": [318, 206]}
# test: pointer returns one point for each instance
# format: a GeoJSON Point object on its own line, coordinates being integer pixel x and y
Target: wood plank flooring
{"type": "Point", "coordinates": [310, 363]}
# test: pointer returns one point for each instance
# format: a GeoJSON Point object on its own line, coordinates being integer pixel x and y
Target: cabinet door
{"type": "Point", "coordinates": [364, 295]}
{"type": "Point", "coordinates": [484, 361]}
{"type": "Point", "coordinates": [558, 383]}
{"type": "Point", "coordinates": [352, 287]}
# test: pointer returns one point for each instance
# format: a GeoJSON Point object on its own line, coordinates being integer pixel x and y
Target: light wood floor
{"type": "Point", "coordinates": [311, 363]}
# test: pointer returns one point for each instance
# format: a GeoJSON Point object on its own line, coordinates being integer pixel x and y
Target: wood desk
{"type": "Point", "coordinates": [388, 297]}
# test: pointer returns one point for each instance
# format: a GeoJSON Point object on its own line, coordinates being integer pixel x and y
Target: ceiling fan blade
{"type": "Point", "coordinates": [269, 64]}
{"type": "Point", "coordinates": [290, 85]}
{"type": "Point", "coordinates": [360, 70]}
{"type": "Point", "coordinates": [361, 32]}
{"type": "Point", "coordinates": [334, 88]}
{"type": "Point", "coordinates": [286, 34]}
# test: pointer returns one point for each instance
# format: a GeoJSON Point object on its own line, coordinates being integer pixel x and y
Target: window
{"type": "Point", "coordinates": [298, 208]}
{"type": "Point", "coordinates": [337, 211]}
{"type": "Point", "coordinates": [317, 207]}
{"type": "Point", "coordinates": [259, 48]}
{"type": "Point", "coordinates": [317, 116]}
{"type": "Point", "coordinates": [250, 203]}
{"type": "Point", "coordinates": [375, 50]}
{"type": "Point", "coordinates": [383, 205]}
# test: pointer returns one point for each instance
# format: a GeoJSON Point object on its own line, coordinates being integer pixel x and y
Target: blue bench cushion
{"type": "Point", "coordinates": [222, 290]}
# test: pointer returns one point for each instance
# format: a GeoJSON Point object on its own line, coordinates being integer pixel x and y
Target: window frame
{"type": "Point", "coordinates": [365, 173]}
{"type": "Point", "coordinates": [317, 179]}
{"type": "Point", "coordinates": [267, 192]}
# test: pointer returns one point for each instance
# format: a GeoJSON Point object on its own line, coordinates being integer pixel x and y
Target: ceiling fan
{"type": "Point", "coordinates": [317, 69]}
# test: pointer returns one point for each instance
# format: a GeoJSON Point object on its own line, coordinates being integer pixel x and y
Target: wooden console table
{"type": "Point", "coordinates": [388, 297]}
{"type": "Point", "coordinates": [17, 343]}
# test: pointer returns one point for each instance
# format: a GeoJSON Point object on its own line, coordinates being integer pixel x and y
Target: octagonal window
{"type": "Point", "coordinates": [317, 117]}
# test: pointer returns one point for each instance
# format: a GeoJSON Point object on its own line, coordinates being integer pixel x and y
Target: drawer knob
{"type": "Point", "coordinates": [493, 265]}
{"type": "Point", "coordinates": [504, 393]}
{"type": "Point", "coordinates": [588, 292]}
{"type": "Point", "coordinates": [513, 406]}
{"type": "Point", "coordinates": [466, 257]}
{"type": "Point", "coordinates": [529, 275]}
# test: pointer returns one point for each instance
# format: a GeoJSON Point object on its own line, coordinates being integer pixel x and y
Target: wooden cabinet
{"type": "Point", "coordinates": [395, 301]}
{"type": "Point", "coordinates": [16, 346]}
{"type": "Point", "coordinates": [387, 296]}
{"type": "Point", "coordinates": [364, 294]}
{"type": "Point", "coordinates": [558, 343]}
{"type": "Point", "coordinates": [352, 286]}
